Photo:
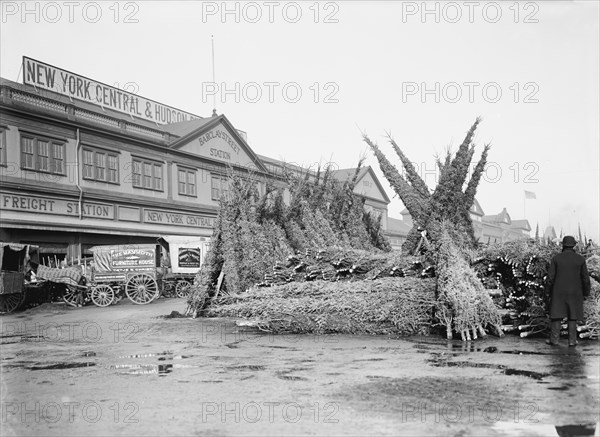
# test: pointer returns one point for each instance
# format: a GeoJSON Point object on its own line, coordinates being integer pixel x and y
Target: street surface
{"type": "Point", "coordinates": [128, 370]}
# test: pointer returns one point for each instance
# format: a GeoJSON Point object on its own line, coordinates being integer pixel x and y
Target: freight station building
{"type": "Point", "coordinates": [84, 164]}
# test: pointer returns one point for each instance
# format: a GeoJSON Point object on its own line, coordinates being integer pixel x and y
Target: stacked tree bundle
{"type": "Point", "coordinates": [255, 229]}
{"type": "Point", "coordinates": [345, 264]}
{"type": "Point", "coordinates": [518, 269]}
{"type": "Point", "coordinates": [463, 303]}
{"type": "Point", "coordinates": [383, 306]}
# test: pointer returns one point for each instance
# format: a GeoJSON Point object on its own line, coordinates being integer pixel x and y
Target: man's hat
{"type": "Point", "coordinates": [569, 241]}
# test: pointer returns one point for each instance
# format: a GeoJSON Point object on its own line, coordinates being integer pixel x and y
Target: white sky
{"type": "Point", "coordinates": [549, 130]}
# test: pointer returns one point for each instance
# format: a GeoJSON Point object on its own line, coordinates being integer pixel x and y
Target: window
{"type": "Point", "coordinates": [219, 187]}
{"type": "Point", "coordinates": [186, 182]}
{"type": "Point", "coordinates": [113, 169]}
{"type": "Point", "coordinates": [42, 154]}
{"type": "Point", "coordinates": [2, 146]}
{"type": "Point", "coordinates": [147, 174]}
{"type": "Point", "coordinates": [100, 165]}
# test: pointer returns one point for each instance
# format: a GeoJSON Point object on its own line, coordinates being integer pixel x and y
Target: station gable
{"type": "Point", "coordinates": [220, 145]}
{"type": "Point", "coordinates": [368, 186]}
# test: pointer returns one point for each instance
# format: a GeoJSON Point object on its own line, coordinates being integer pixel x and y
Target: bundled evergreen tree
{"type": "Point", "coordinates": [462, 305]}
{"type": "Point", "coordinates": [253, 232]}
{"type": "Point", "coordinates": [449, 201]}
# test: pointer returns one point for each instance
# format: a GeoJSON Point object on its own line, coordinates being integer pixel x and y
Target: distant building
{"type": "Point", "coordinates": [368, 186]}
{"type": "Point", "coordinates": [500, 228]}
{"type": "Point", "coordinates": [397, 231]}
{"type": "Point", "coordinates": [488, 229]}
{"type": "Point", "coordinates": [550, 233]}
{"type": "Point", "coordinates": [476, 213]}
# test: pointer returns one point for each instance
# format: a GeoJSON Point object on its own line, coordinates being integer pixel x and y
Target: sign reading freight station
{"type": "Point", "coordinates": [173, 218]}
{"type": "Point", "coordinates": [44, 205]}
{"type": "Point", "coordinates": [63, 82]}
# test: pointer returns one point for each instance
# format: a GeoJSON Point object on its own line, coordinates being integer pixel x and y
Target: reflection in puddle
{"type": "Point", "coordinates": [528, 373]}
{"type": "Point", "coordinates": [541, 429]}
{"type": "Point", "coordinates": [246, 367]}
{"type": "Point", "coordinates": [148, 369]}
{"type": "Point", "coordinates": [148, 355]}
{"type": "Point", "coordinates": [441, 362]}
{"type": "Point", "coordinates": [58, 366]}
{"type": "Point", "coordinates": [576, 430]}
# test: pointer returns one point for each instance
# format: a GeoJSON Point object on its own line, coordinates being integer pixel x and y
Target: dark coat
{"type": "Point", "coordinates": [568, 282]}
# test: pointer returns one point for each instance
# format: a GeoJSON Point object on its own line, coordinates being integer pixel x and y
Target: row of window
{"type": "Point", "coordinates": [48, 156]}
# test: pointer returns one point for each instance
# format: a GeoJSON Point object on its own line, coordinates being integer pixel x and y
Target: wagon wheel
{"type": "Point", "coordinates": [183, 288]}
{"type": "Point", "coordinates": [72, 296]}
{"type": "Point", "coordinates": [102, 295]}
{"type": "Point", "coordinates": [11, 302]}
{"type": "Point", "coordinates": [141, 289]}
{"type": "Point", "coordinates": [168, 287]}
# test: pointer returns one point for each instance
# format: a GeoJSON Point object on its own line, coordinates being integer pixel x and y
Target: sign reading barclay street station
{"type": "Point", "coordinates": [45, 76]}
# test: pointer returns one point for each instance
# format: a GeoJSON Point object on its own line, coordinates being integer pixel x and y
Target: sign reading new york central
{"type": "Point", "coordinates": [63, 82]}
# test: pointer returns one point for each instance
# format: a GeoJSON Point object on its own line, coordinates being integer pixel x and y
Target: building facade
{"type": "Point", "coordinates": [76, 172]}
{"type": "Point", "coordinates": [488, 229]}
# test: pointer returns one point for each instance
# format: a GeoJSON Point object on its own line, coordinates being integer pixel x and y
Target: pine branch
{"type": "Point", "coordinates": [407, 193]}
{"type": "Point", "coordinates": [471, 190]}
{"type": "Point", "coordinates": [413, 177]}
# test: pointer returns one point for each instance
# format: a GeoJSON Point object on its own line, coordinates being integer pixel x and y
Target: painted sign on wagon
{"type": "Point", "coordinates": [126, 257]}
{"type": "Point", "coordinates": [189, 257]}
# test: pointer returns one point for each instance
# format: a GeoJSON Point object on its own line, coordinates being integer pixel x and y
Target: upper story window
{"type": "Point", "coordinates": [2, 146]}
{"type": "Point", "coordinates": [42, 154]}
{"type": "Point", "coordinates": [219, 187]}
{"type": "Point", "coordinates": [100, 165]}
{"type": "Point", "coordinates": [186, 182]}
{"type": "Point", "coordinates": [147, 174]}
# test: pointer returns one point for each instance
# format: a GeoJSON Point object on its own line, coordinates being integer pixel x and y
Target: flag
{"type": "Point", "coordinates": [529, 195]}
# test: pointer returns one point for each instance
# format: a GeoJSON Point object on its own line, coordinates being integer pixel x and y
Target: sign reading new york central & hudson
{"type": "Point", "coordinates": [63, 82]}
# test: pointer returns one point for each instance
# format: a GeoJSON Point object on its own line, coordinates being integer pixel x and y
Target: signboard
{"type": "Point", "coordinates": [173, 218]}
{"type": "Point", "coordinates": [127, 258]}
{"type": "Point", "coordinates": [189, 257]}
{"type": "Point", "coordinates": [44, 205]}
{"type": "Point", "coordinates": [48, 77]}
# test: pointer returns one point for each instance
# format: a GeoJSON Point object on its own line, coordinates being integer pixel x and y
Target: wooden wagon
{"type": "Point", "coordinates": [133, 269]}
{"type": "Point", "coordinates": [14, 262]}
{"type": "Point", "coordinates": [182, 261]}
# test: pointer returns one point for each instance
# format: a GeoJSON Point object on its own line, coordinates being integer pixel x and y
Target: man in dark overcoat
{"type": "Point", "coordinates": [568, 282]}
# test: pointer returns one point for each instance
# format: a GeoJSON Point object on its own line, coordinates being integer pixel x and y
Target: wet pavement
{"type": "Point", "coordinates": [126, 370]}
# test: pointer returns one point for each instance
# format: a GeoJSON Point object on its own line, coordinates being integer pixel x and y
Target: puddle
{"type": "Point", "coordinates": [528, 373]}
{"type": "Point", "coordinates": [58, 366]}
{"type": "Point", "coordinates": [494, 349]}
{"type": "Point", "coordinates": [148, 355]}
{"type": "Point", "coordinates": [292, 378]}
{"type": "Point", "coordinates": [254, 367]}
{"type": "Point", "coordinates": [512, 428]}
{"type": "Point", "coordinates": [144, 369]}
{"type": "Point", "coordinates": [175, 357]}
{"type": "Point", "coordinates": [440, 362]}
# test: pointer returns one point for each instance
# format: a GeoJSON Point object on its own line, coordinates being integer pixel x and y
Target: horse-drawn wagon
{"type": "Point", "coordinates": [182, 261]}
{"type": "Point", "coordinates": [14, 262]}
{"type": "Point", "coordinates": [142, 272]}
{"type": "Point", "coordinates": [133, 269]}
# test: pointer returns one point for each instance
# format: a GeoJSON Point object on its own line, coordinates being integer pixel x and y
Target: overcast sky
{"type": "Point", "coordinates": [306, 78]}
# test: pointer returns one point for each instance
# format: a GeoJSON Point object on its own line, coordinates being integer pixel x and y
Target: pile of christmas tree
{"type": "Point", "coordinates": [320, 262]}
{"type": "Point", "coordinates": [518, 270]}
{"type": "Point", "coordinates": [254, 233]}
